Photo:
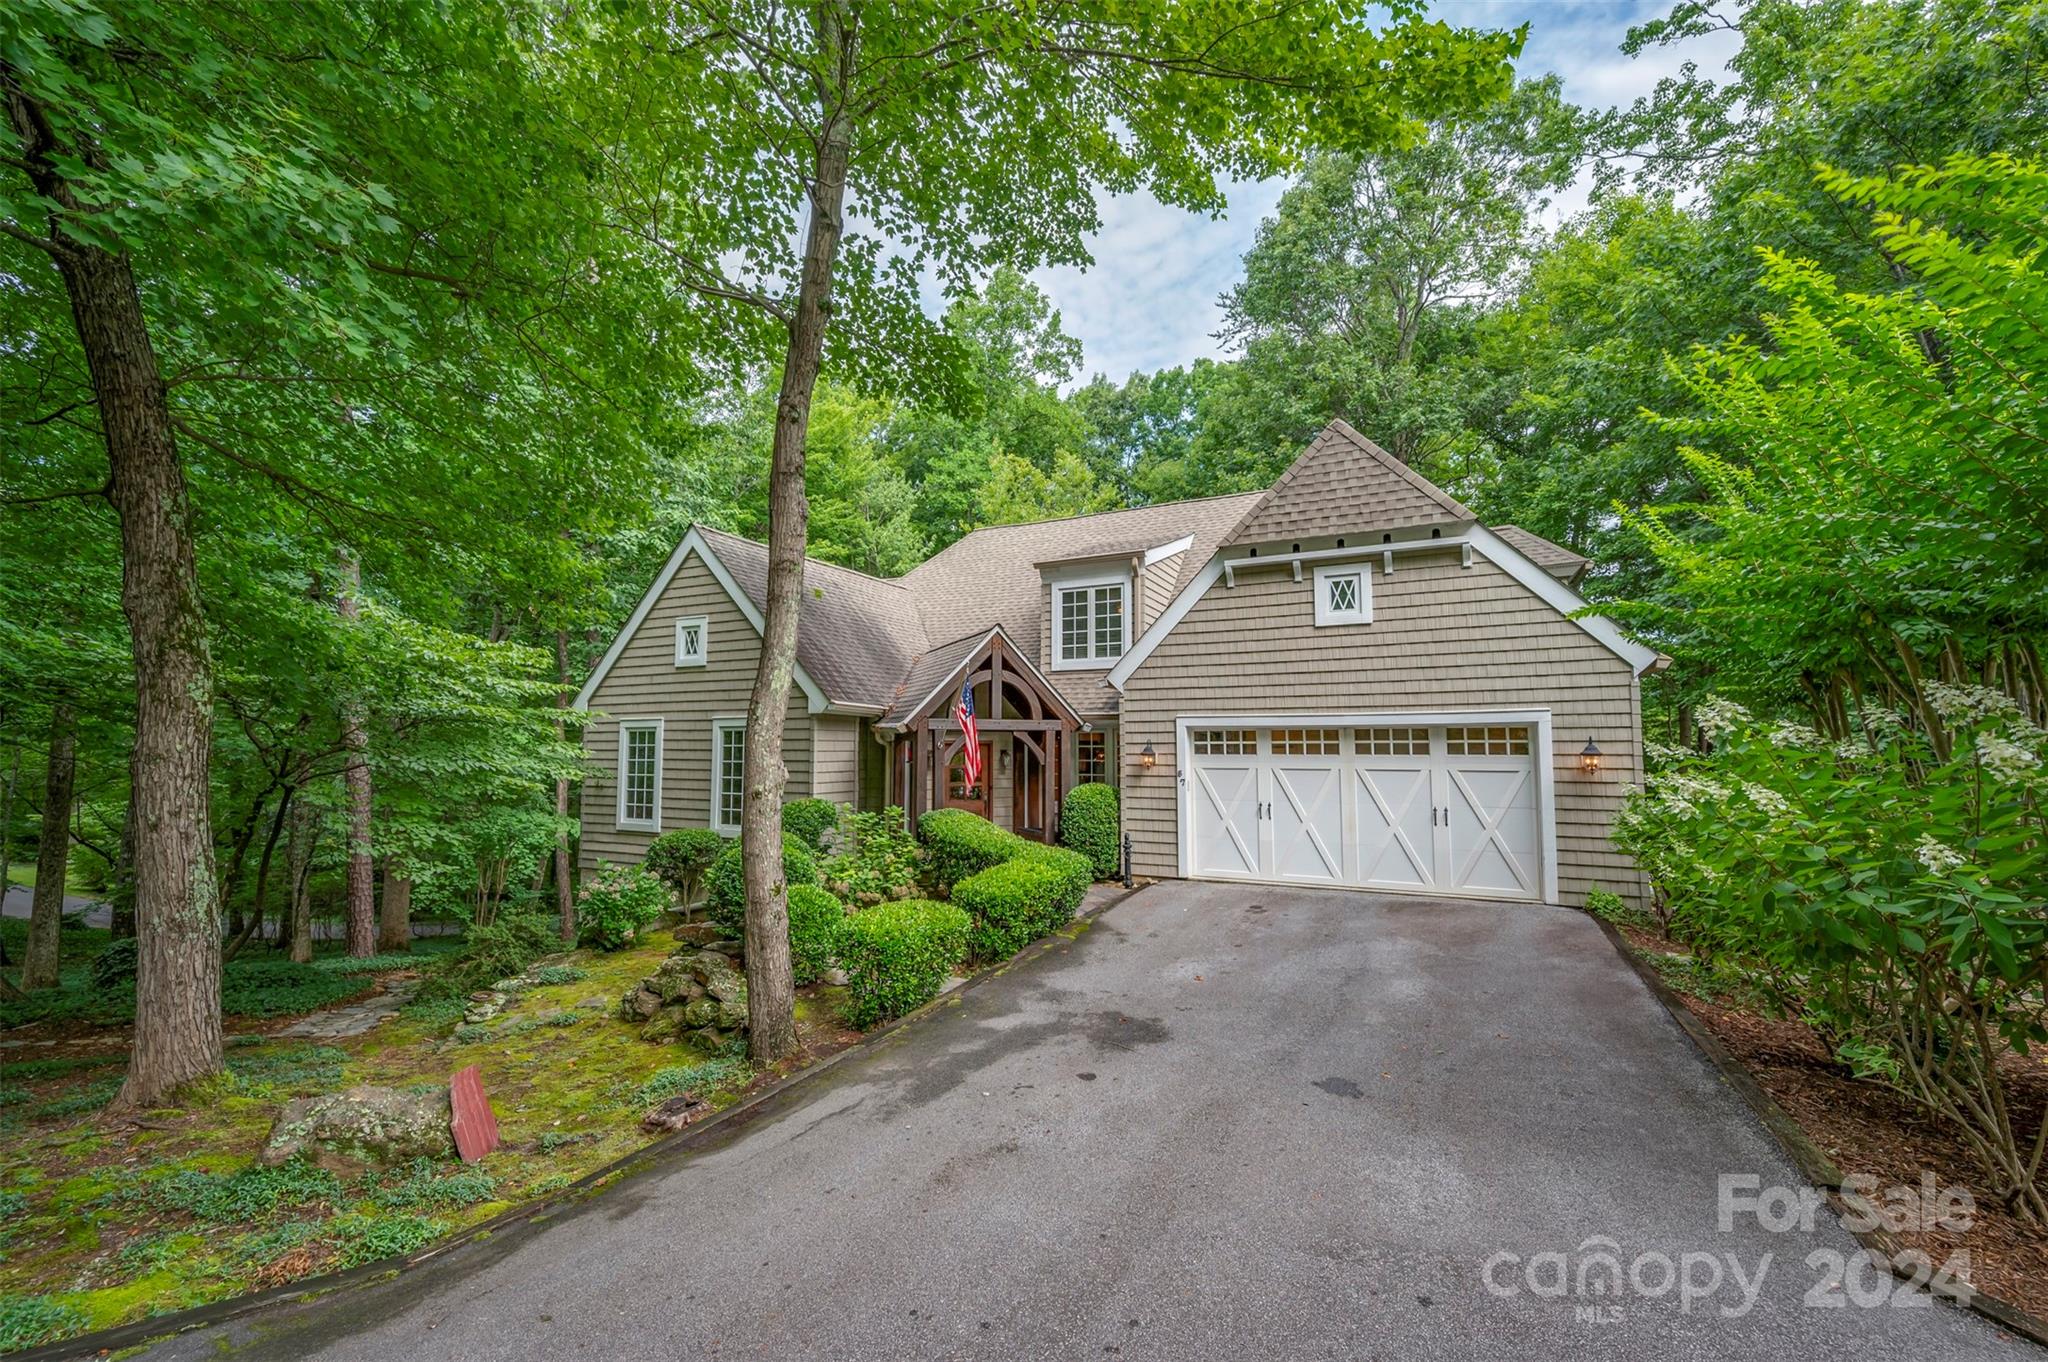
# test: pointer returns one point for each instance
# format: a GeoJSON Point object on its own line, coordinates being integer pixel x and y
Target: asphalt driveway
{"type": "Point", "coordinates": [1225, 1122]}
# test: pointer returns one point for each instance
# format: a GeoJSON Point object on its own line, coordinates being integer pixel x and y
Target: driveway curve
{"type": "Point", "coordinates": [1226, 1121]}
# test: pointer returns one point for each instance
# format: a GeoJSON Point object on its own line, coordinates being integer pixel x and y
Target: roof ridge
{"type": "Point", "coordinates": [1114, 510]}
{"type": "Point", "coordinates": [809, 560]}
{"type": "Point", "coordinates": [1394, 465]}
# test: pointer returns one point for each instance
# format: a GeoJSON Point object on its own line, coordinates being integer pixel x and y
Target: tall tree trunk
{"type": "Point", "coordinates": [53, 853]}
{"type": "Point", "coordinates": [565, 901]}
{"type": "Point", "coordinates": [7, 822]}
{"type": "Point", "coordinates": [177, 901]}
{"type": "Point", "coordinates": [771, 989]}
{"type": "Point", "coordinates": [355, 736]}
{"type": "Point", "coordinates": [298, 859]}
{"type": "Point", "coordinates": [394, 927]}
{"type": "Point", "coordinates": [262, 895]}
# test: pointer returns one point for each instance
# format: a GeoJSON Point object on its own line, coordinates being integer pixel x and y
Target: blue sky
{"type": "Point", "coordinates": [1149, 301]}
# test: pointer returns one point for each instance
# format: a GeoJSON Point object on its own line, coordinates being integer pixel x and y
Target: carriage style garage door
{"type": "Point", "coordinates": [1428, 807]}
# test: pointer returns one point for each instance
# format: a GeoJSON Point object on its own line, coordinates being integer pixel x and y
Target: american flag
{"type": "Point", "coordinates": [971, 753]}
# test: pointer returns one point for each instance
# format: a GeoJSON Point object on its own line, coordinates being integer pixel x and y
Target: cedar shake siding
{"type": "Point", "coordinates": [1443, 637]}
{"type": "Point", "coordinates": [835, 758]}
{"type": "Point", "coordinates": [645, 683]}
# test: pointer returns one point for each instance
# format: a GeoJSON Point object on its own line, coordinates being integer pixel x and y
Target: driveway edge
{"type": "Point", "coordinates": [1808, 1158]}
{"type": "Point", "coordinates": [124, 1338]}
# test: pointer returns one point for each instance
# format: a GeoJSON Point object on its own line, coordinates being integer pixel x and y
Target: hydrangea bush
{"type": "Point", "coordinates": [1887, 889]}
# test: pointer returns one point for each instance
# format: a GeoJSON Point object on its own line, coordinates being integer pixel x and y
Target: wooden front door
{"type": "Point", "coordinates": [958, 794]}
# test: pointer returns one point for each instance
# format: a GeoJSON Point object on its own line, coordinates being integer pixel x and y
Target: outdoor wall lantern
{"type": "Point", "coordinates": [1589, 759]}
{"type": "Point", "coordinates": [1148, 758]}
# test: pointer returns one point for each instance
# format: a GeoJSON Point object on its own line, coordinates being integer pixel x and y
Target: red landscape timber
{"type": "Point", "coordinates": [476, 1129]}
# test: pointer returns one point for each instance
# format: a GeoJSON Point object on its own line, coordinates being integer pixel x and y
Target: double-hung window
{"type": "Point", "coordinates": [728, 774]}
{"type": "Point", "coordinates": [1091, 624]}
{"type": "Point", "coordinates": [640, 775]}
{"type": "Point", "coordinates": [1091, 758]}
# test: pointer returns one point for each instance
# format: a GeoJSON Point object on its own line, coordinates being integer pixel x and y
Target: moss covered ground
{"type": "Point", "coordinates": [104, 1222]}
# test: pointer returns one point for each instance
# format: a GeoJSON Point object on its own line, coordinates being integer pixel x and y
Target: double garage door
{"type": "Point", "coordinates": [1448, 808]}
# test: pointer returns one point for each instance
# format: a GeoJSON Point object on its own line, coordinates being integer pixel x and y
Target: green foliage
{"type": "Point", "coordinates": [115, 965]}
{"type": "Point", "coordinates": [898, 955]}
{"type": "Point", "coordinates": [244, 1197]}
{"type": "Point", "coordinates": [681, 857]}
{"type": "Point", "coordinates": [1089, 824]}
{"type": "Point", "coordinates": [492, 951]}
{"type": "Point", "coordinates": [615, 902]}
{"type": "Point", "coordinates": [1020, 900]}
{"type": "Point", "coordinates": [959, 844]}
{"type": "Point", "coordinates": [808, 820]}
{"type": "Point", "coordinates": [815, 920]}
{"type": "Point", "coordinates": [879, 860]}
{"type": "Point", "coordinates": [700, 1078]}
{"type": "Point", "coordinates": [1881, 888]}
{"type": "Point", "coordinates": [26, 1321]}
{"type": "Point", "coordinates": [421, 1185]}
{"type": "Point", "coordinates": [251, 986]}
{"type": "Point", "coordinates": [363, 1238]}
{"type": "Point", "coordinates": [727, 882]}
{"type": "Point", "coordinates": [288, 1070]}
{"type": "Point", "coordinates": [548, 975]}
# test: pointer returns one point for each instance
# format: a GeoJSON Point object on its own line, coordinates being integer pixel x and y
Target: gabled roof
{"type": "Point", "coordinates": [1344, 482]}
{"type": "Point", "coordinates": [1555, 559]}
{"type": "Point", "coordinates": [991, 575]}
{"type": "Point", "coordinates": [943, 666]}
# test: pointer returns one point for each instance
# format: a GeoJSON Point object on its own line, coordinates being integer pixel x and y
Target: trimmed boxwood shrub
{"type": "Point", "coordinates": [1088, 824]}
{"type": "Point", "coordinates": [816, 920]}
{"type": "Point", "coordinates": [809, 820]}
{"type": "Point", "coordinates": [727, 881]}
{"type": "Point", "coordinates": [959, 844]}
{"type": "Point", "coordinates": [1017, 902]}
{"type": "Point", "coordinates": [681, 857]}
{"type": "Point", "coordinates": [898, 955]}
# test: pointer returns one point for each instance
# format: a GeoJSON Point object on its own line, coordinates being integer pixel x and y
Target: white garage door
{"type": "Point", "coordinates": [1445, 808]}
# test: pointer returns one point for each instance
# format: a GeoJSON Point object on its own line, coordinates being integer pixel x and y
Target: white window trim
{"type": "Point", "coordinates": [1094, 661]}
{"type": "Point", "coordinates": [703, 623]}
{"type": "Point", "coordinates": [619, 819]}
{"type": "Point", "coordinates": [719, 728]}
{"type": "Point", "coordinates": [1325, 616]}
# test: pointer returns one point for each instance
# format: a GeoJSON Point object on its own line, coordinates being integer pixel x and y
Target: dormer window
{"type": "Point", "coordinates": [1343, 595]}
{"type": "Point", "coordinates": [693, 640]}
{"type": "Point", "coordinates": [1091, 623]}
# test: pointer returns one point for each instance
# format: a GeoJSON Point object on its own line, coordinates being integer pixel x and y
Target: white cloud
{"type": "Point", "coordinates": [1149, 301]}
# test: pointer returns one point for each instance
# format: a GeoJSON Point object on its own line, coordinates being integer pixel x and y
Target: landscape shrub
{"type": "Point", "coordinates": [958, 844]}
{"type": "Point", "coordinates": [815, 921]}
{"type": "Point", "coordinates": [1884, 889]}
{"type": "Point", "coordinates": [1088, 824]}
{"type": "Point", "coordinates": [26, 1321]}
{"type": "Point", "coordinates": [898, 955]}
{"type": "Point", "coordinates": [613, 904]}
{"type": "Point", "coordinates": [115, 965]}
{"type": "Point", "coordinates": [681, 857]}
{"type": "Point", "coordinates": [1020, 900]}
{"type": "Point", "coordinates": [492, 951]}
{"type": "Point", "coordinates": [727, 881]}
{"type": "Point", "coordinates": [808, 820]}
{"type": "Point", "coordinates": [879, 860]}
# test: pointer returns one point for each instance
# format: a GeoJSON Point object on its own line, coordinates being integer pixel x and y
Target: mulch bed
{"type": "Point", "coordinates": [1868, 1128]}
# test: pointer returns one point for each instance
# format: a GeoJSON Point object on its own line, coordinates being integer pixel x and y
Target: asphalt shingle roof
{"type": "Point", "coordinates": [1555, 559]}
{"type": "Point", "coordinates": [1344, 482]}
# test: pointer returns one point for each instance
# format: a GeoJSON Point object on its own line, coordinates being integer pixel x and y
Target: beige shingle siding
{"type": "Point", "coordinates": [1155, 589]}
{"type": "Point", "coordinates": [1443, 637]}
{"type": "Point", "coordinates": [645, 683]}
{"type": "Point", "coordinates": [835, 759]}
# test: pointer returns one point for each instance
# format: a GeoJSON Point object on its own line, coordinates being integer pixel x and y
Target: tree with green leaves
{"type": "Point", "coordinates": [325, 273]}
{"type": "Point", "coordinates": [805, 111]}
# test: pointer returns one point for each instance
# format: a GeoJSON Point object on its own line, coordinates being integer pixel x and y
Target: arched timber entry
{"type": "Point", "coordinates": [1022, 720]}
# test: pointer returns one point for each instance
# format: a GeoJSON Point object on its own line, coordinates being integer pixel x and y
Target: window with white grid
{"type": "Point", "coordinates": [1509, 740]}
{"type": "Point", "coordinates": [1224, 742]}
{"type": "Point", "coordinates": [640, 774]}
{"type": "Point", "coordinates": [728, 773]}
{"type": "Point", "coordinates": [1091, 620]}
{"type": "Point", "coordinates": [1391, 742]}
{"type": "Point", "coordinates": [1305, 742]}
{"type": "Point", "coordinates": [1343, 594]}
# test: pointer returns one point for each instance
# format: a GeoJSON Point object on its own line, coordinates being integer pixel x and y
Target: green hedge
{"type": "Point", "coordinates": [959, 844]}
{"type": "Point", "coordinates": [898, 955]}
{"type": "Point", "coordinates": [816, 920]}
{"type": "Point", "coordinates": [727, 882]}
{"type": "Point", "coordinates": [1088, 824]}
{"type": "Point", "coordinates": [809, 820]}
{"type": "Point", "coordinates": [1015, 903]}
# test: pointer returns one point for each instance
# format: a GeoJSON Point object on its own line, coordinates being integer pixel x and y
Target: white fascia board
{"type": "Point", "coordinates": [693, 542]}
{"type": "Point", "coordinates": [1176, 611]}
{"type": "Point", "coordinates": [1180, 545]}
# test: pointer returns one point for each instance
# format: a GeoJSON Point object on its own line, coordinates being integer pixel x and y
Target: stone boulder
{"type": "Point", "coordinates": [365, 1126]}
{"type": "Point", "coordinates": [695, 994]}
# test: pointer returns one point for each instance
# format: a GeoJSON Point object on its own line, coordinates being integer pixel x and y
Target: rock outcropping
{"type": "Point", "coordinates": [696, 995]}
{"type": "Point", "coordinates": [365, 1126]}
